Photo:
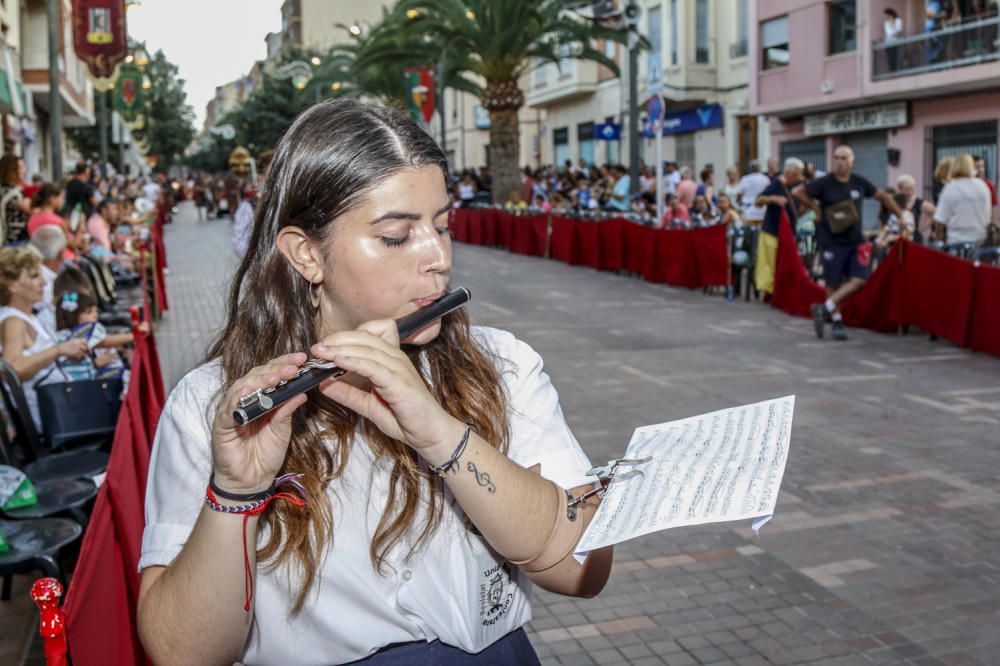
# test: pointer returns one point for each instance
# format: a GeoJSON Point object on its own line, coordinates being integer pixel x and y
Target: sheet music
{"type": "Point", "coordinates": [717, 467]}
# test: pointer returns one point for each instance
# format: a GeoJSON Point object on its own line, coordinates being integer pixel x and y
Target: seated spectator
{"type": "Point", "coordinates": [896, 228]}
{"type": "Point", "coordinates": [47, 201]}
{"type": "Point", "coordinates": [921, 209]}
{"type": "Point", "coordinates": [964, 208]}
{"type": "Point", "coordinates": [675, 215]}
{"type": "Point", "coordinates": [703, 214]}
{"type": "Point", "coordinates": [50, 244]}
{"type": "Point", "coordinates": [99, 228]}
{"type": "Point", "coordinates": [728, 214]}
{"type": "Point", "coordinates": [15, 204]}
{"type": "Point", "coordinates": [76, 319]}
{"type": "Point", "coordinates": [27, 346]}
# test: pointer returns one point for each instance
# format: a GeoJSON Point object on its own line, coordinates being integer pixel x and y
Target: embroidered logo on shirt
{"type": "Point", "coordinates": [496, 594]}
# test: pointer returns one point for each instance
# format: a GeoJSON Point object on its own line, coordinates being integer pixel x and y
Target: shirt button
{"type": "Point", "coordinates": [407, 575]}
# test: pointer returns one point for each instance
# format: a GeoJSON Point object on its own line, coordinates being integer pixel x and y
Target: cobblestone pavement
{"type": "Point", "coordinates": [884, 548]}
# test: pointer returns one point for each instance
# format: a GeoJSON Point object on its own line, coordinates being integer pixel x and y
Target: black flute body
{"type": "Point", "coordinates": [315, 371]}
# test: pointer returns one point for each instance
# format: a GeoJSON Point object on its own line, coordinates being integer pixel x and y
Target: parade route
{"type": "Point", "coordinates": [883, 548]}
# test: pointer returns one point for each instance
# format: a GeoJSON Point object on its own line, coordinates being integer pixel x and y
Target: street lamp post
{"type": "Point", "coordinates": [55, 100]}
{"type": "Point", "coordinates": [632, 21]}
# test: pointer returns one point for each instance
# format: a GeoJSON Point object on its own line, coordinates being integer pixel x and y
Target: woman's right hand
{"type": "Point", "coordinates": [73, 349]}
{"type": "Point", "coordinates": [248, 458]}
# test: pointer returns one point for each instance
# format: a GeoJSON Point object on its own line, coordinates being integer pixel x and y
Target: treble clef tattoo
{"type": "Point", "coordinates": [482, 478]}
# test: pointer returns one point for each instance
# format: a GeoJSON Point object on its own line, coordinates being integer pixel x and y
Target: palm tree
{"type": "Point", "coordinates": [487, 46]}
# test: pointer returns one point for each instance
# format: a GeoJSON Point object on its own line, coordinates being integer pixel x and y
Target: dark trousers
{"type": "Point", "coordinates": [514, 649]}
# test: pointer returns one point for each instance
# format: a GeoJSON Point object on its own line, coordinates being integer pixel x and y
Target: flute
{"type": "Point", "coordinates": [314, 371]}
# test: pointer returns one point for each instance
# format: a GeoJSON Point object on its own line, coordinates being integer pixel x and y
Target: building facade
{"type": "Point", "coordinates": [75, 89]}
{"type": "Point", "coordinates": [824, 75]}
{"type": "Point", "coordinates": [697, 60]}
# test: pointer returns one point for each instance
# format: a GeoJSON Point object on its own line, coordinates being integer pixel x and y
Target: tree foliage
{"type": "Point", "coordinates": [168, 120]}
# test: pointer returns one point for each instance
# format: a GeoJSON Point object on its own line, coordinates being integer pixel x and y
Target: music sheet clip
{"type": "Point", "coordinates": [608, 474]}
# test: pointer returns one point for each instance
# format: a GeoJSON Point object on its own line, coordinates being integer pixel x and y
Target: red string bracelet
{"type": "Point", "coordinates": [253, 508]}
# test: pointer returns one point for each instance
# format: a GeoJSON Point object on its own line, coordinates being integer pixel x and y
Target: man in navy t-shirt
{"type": "Point", "coordinates": [845, 254]}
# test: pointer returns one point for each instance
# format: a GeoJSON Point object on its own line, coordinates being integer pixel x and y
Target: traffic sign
{"type": "Point", "coordinates": [654, 109]}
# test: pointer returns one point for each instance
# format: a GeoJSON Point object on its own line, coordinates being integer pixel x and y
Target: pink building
{"type": "Point", "coordinates": [823, 74]}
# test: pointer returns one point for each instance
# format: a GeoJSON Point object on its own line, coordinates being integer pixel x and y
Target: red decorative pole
{"type": "Point", "coordinates": [46, 593]}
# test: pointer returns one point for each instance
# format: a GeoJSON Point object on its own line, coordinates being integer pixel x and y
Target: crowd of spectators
{"type": "Point", "coordinates": [65, 247]}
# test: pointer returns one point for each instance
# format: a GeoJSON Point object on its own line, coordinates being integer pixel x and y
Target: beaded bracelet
{"type": "Point", "coordinates": [255, 505]}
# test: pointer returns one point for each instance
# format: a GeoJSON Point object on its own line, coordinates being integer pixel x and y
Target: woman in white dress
{"type": "Point", "coordinates": [28, 347]}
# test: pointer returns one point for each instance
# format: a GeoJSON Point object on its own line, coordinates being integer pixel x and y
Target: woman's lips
{"type": "Point", "coordinates": [427, 300]}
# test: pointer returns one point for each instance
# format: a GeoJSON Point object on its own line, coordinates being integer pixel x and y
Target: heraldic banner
{"type": "Point", "coordinates": [99, 35]}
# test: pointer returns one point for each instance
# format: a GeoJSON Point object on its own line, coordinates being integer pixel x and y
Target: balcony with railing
{"type": "Point", "coordinates": [969, 43]}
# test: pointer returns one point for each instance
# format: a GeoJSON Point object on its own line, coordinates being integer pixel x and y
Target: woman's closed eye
{"type": "Point", "coordinates": [396, 241]}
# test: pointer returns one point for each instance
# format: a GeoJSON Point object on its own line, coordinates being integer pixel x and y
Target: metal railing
{"type": "Point", "coordinates": [738, 49]}
{"type": "Point", "coordinates": [966, 44]}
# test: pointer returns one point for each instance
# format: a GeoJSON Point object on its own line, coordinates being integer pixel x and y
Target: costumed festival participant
{"type": "Point", "coordinates": [397, 515]}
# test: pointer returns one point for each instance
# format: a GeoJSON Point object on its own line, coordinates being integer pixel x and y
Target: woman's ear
{"type": "Point", "coordinates": [302, 253]}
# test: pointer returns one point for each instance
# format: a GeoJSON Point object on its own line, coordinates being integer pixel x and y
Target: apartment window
{"type": "Point", "coordinates": [560, 141]}
{"type": "Point", "coordinates": [655, 31]}
{"type": "Point", "coordinates": [701, 47]}
{"type": "Point", "coordinates": [739, 47]}
{"type": "Point", "coordinates": [565, 63]}
{"type": "Point", "coordinates": [673, 32]}
{"type": "Point", "coordinates": [585, 140]}
{"type": "Point", "coordinates": [612, 154]}
{"type": "Point", "coordinates": [774, 42]}
{"type": "Point", "coordinates": [541, 73]}
{"type": "Point", "coordinates": [684, 149]}
{"type": "Point", "coordinates": [842, 20]}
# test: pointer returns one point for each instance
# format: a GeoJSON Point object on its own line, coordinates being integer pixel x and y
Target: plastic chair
{"type": "Point", "coordinates": [39, 464]}
{"type": "Point", "coordinates": [33, 546]}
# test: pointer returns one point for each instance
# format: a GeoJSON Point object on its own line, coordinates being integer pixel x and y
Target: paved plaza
{"type": "Point", "coordinates": [884, 546]}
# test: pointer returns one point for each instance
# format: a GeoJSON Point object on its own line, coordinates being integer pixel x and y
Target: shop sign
{"type": "Point", "coordinates": [882, 116]}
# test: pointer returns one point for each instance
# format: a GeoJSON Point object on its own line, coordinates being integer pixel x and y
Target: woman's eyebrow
{"type": "Point", "coordinates": [406, 215]}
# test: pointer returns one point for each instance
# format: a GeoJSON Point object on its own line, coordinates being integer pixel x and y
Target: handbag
{"type": "Point", "coordinates": [841, 216]}
{"type": "Point", "coordinates": [80, 410]}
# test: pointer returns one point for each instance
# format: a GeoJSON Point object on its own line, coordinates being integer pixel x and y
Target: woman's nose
{"type": "Point", "coordinates": [436, 253]}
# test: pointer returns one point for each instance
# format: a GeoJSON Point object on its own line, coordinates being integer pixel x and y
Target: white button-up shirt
{"type": "Point", "coordinates": [455, 588]}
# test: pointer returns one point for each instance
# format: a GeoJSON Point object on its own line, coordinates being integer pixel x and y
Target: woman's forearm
{"type": "Point", "coordinates": [30, 365]}
{"type": "Point", "coordinates": [512, 507]}
{"type": "Point", "coordinates": [192, 611]}
{"type": "Point", "coordinates": [508, 504]}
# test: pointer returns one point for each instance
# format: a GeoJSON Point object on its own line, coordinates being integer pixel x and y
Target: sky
{"type": "Point", "coordinates": [211, 41]}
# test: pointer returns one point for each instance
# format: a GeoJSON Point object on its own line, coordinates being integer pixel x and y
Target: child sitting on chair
{"type": "Point", "coordinates": [76, 318]}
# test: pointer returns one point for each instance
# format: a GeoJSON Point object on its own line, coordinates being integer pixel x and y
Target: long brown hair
{"type": "Point", "coordinates": [329, 159]}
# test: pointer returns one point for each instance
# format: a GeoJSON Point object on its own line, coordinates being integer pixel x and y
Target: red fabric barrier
{"type": "Point", "coordinates": [794, 290]}
{"type": "Point", "coordinates": [489, 216]}
{"type": "Point", "coordinates": [611, 235]}
{"type": "Point", "coordinates": [562, 246]}
{"type": "Point", "coordinates": [711, 255]}
{"type": "Point", "coordinates": [878, 305]}
{"type": "Point", "coordinates": [674, 262]}
{"type": "Point", "coordinates": [984, 327]}
{"type": "Point", "coordinates": [103, 595]}
{"type": "Point", "coordinates": [639, 248]}
{"type": "Point", "coordinates": [937, 293]}
{"type": "Point", "coordinates": [588, 244]}
{"type": "Point", "coordinates": [504, 225]}
{"type": "Point", "coordinates": [530, 235]}
{"type": "Point", "coordinates": [476, 227]}
{"type": "Point", "coordinates": [460, 224]}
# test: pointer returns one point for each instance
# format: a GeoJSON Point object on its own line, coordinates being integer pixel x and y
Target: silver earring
{"type": "Point", "coordinates": [314, 292]}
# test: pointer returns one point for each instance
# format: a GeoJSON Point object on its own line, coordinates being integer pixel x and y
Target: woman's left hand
{"type": "Point", "coordinates": [399, 404]}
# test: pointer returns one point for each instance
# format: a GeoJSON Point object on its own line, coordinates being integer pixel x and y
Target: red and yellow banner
{"type": "Point", "coordinates": [99, 35]}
